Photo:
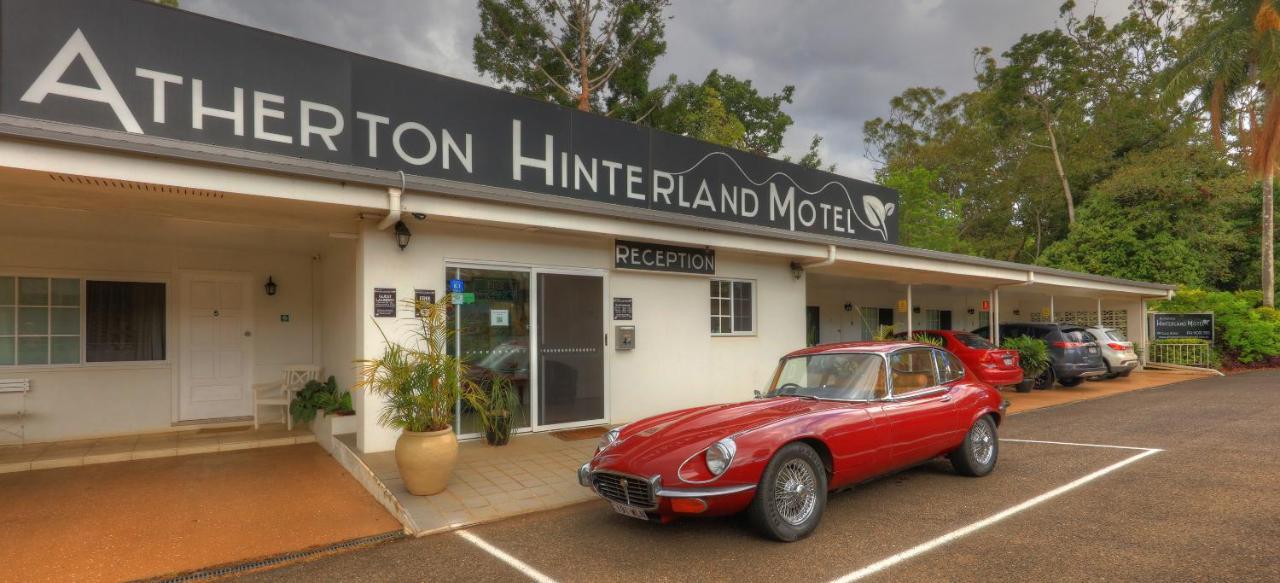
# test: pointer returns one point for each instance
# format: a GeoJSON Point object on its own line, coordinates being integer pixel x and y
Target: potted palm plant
{"type": "Point", "coordinates": [502, 406]}
{"type": "Point", "coordinates": [421, 384]}
{"type": "Point", "coordinates": [1033, 357]}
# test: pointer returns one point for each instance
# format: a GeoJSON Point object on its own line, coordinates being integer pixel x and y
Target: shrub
{"type": "Point", "coordinates": [1033, 354]}
{"type": "Point", "coordinates": [318, 396]}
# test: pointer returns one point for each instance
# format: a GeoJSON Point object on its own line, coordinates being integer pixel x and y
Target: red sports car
{"type": "Point", "coordinates": [991, 364]}
{"type": "Point", "coordinates": [833, 416]}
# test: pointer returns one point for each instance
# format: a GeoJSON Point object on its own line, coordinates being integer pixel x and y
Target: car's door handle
{"type": "Point", "coordinates": [946, 399]}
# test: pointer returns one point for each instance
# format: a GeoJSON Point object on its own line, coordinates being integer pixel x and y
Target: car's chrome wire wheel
{"type": "Point", "coordinates": [982, 443]}
{"type": "Point", "coordinates": [795, 492]}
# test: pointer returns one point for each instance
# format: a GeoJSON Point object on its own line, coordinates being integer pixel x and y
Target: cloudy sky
{"type": "Point", "coordinates": [847, 58]}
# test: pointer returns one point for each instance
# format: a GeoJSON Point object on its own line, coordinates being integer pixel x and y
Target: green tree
{"type": "Point", "coordinates": [763, 121]}
{"type": "Point", "coordinates": [1177, 215]}
{"type": "Point", "coordinates": [590, 54]}
{"type": "Point", "coordinates": [813, 157]}
{"type": "Point", "coordinates": [701, 114]}
{"type": "Point", "coordinates": [930, 218]}
{"type": "Point", "coordinates": [1232, 57]}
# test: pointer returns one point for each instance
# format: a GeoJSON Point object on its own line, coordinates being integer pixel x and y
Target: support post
{"type": "Point", "coordinates": [910, 311]}
{"type": "Point", "coordinates": [991, 315]}
{"type": "Point", "coordinates": [1099, 312]}
{"type": "Point", "coordinates": [995, 316]}
{"type": "Point", "coordinates": [1053, 312]}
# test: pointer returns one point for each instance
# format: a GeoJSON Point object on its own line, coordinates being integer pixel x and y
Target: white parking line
{"type": "Point", "coordinates": [515, 563]}
{"type": "Point", "coordinates": [997, 517]}
{"type": "Point", "coordinates": [1081, 444]}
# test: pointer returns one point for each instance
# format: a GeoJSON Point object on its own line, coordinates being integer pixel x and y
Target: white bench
{"type": "Point", "coordinates": [12, 417]}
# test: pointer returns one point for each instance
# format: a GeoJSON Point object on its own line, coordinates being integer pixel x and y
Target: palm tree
{"type": "Point", "coordinates": [1233, 56]}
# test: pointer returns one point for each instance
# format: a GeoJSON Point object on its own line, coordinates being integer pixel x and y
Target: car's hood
{"type": "Point", "coordinates": [673, 437]}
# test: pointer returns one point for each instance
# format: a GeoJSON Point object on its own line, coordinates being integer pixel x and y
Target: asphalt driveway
{"type": "Point", "coordinates": [1205, 507]}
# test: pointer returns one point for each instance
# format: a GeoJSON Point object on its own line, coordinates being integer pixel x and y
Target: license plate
{"type": "Point", "coordinates": [1008, 361]}
{"type": "Point", "coordinates": [625, 510]}
{"type": "Point", "coordinates": [1093, 350]}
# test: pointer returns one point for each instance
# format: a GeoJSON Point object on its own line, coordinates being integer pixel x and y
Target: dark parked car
{"type": "Point", "coordinates": [1073, 352]}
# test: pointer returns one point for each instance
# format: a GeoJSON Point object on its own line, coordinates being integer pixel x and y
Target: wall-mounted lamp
{"type": "Point", "coordinates": [970, 311]}
{"type": "Point", "coordinates": [848, 307]}
{"type": "Point", "coordinates": [915, 310]}
{"type": "Point", "coordinates": [270, 286]}
{"type": "Point", "coordinates": [797, 270]}
{"type": "Point", "coordinates": [1017, 312]}
{"type": "Point", "coordinates": [402, 235]}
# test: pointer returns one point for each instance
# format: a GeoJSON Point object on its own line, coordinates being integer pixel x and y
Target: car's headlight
{"type": "Point", "coordinates": [608, 438]}
{"type": "Point", "coordinates": [720, 455]}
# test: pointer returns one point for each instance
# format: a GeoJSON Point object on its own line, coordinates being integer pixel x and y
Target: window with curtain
{"type": "Point", "coordinates": [124, 321]}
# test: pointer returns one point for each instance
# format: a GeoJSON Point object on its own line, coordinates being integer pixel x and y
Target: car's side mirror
{"type": "Point", "coordinates": [757, 394]}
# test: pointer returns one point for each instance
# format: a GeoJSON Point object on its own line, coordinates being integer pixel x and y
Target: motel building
{"type": "Point", "coordinates": [189, 207]}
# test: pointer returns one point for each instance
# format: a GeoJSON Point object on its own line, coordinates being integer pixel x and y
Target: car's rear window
{"type": "Point", "coordinates": [1116, 336]}
{"type": "Point", "coordinates": [1077, 335]}
{"type": "Point", "coordinates": [973, 341]}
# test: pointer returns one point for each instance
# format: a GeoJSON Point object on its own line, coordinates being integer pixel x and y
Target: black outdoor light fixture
{"type": "Point", "coordinates": [915, 310]}
{"type": "Point", "coordinates": [270, 286]}
{"type": "Point", "coordinates": [848, 307]}
{"type": "Point", "coordinates": [797, 270]}
{"type": "Point", "coordinates": [402, 235]}
{"type": "Point", "coordinates": [970, 311]}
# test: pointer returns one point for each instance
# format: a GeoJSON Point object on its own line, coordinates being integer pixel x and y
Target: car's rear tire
{"type": "Point", "coordinates": [792, 494]}
{"type": "Point", "coordinates": [977, 455]}
{"type": "Point", "coordinates": [1071, 382]}
{"type": "Point", "coordinates": [1125, 373]}
{"type": "Point", "coordinates": [1045, 380]}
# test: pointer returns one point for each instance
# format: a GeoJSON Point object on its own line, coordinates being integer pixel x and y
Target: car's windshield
{"type": "Point", "coordinates": [973, 341]}
{"type": "Point", "coordinates": [854, 377]}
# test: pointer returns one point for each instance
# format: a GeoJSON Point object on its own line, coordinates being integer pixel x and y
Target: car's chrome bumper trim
{"type": "Point", "coordinates": [704, 492]}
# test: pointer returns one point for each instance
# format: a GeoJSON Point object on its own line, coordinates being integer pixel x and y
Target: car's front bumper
{"type": "Point", "coordinates": [718, 500]}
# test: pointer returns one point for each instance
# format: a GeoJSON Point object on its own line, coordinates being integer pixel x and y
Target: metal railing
{"type": "Point", "coordinates": [1189, 354]}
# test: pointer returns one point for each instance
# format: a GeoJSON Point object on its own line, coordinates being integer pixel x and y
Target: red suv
{"type": "Point", "coordinates": [991, 364]}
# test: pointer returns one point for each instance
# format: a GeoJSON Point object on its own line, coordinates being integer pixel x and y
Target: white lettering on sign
{"type": "Point", "coordinates": [50, 81]}
{"type": "Point", "coordinates": [717, 186]}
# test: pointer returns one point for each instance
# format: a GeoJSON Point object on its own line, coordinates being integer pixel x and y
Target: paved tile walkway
{"type": "Point", "coordinates": [533, 472]}
{"type": "Point", "coordinates": [61, 454]}
{"type": "Point", "coordinates": [146, 518]}
{"type": "Point", "coordinates": [1058, 395]}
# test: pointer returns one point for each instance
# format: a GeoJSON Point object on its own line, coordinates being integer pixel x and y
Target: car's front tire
{"type": "Point", "coordinates": [792, 494]}
{"type": "Point", "coordinates": [977, 455]}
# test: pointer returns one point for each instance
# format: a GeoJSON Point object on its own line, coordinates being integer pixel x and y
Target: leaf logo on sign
{"type": "Point", "coordinates": [877, 214]}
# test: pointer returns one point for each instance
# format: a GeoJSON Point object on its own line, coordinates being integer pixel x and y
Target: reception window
{"type": "Point", "coordinates": [732, 307]}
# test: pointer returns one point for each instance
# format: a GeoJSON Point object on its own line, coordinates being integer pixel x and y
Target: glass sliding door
{"type": "Point", "coordinates": [570, 333]}
{"type": "Point", "coordinates": [492, 336]}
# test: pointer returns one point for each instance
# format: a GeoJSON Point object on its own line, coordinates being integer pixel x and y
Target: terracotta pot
{"type": "Point", "coordinates": [426, 460]}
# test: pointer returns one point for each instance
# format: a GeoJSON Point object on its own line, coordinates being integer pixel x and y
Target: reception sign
{"type": "Point", "coordinates": [658, 257]}
{"type": "Point", "coordinates": [138, 68]}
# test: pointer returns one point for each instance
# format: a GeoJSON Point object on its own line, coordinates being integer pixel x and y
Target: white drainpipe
{"type": "Point", "coordinates": [393, 205]}
{"type": "Point", "coordinates": [831, 259]}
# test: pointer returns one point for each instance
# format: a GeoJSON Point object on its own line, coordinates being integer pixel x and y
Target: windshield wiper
{"type": "Point", "coordinates": [810, 397]}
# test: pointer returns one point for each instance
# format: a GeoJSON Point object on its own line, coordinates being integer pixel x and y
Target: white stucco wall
{"type": "Point", "coordinates": [677, 363]}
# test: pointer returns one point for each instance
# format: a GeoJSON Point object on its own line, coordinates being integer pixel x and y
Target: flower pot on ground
{"type": "Point", "coordinates": [317, 397]}
{"type": "Point", "coordinates": [1033, 357]}
{"type": "Point", "coordinates": [503, 404]}
{"type": "Point", "coordinates": [421, 385]}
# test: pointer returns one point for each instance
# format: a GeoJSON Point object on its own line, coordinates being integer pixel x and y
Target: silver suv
{"type": "Point", "coordinates": [1117, 351]}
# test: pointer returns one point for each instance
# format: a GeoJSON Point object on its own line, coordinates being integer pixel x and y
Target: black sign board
{"type": "Point", "coordinates": [424, 296]}
{"type": "Point", "coordinates": [658, 257]}
{"type": "Point", "coordinates": [622, 308]}
{"type": "Point", "coordinates": [1179, 326]}
{"type": "Point", "coordinates": [138, 68]}
{"type": "Point", "coordinates": [384, 302]}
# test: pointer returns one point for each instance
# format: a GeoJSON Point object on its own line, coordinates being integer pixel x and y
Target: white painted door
{"type": "Point", "coordinates": [217, 347]}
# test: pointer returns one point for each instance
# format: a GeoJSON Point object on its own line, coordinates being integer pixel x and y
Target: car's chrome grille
{"type": "Point", "coordinates": [628, 490]}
